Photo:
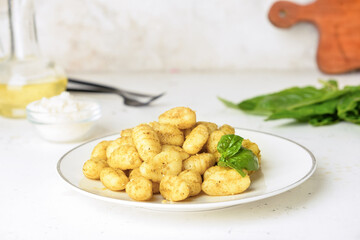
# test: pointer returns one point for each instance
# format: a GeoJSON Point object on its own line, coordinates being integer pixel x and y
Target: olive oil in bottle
{"type": "Point", "coordinates": [14, 98]}
{"type": "Point", "coordinates": [25, 76]}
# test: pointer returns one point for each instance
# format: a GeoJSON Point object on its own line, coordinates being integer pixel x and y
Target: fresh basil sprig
{"type": "Point", "coordinates": [317, 106]}
{"type": "Point", "coordinates": [235, 156]}
{"type": "Point", "coordinates": [229, 145]}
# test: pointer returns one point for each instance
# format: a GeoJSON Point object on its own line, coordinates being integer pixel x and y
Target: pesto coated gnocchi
{"type": "Point", "coordinates": [175, 156]}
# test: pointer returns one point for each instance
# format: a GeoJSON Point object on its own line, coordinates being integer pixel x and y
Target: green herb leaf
{"type": "Point", "coordinates": [246, 159]}
{"type": "Point", "coordinates": [319, 114]}
{"type": "Point", "coordinates": [322, 120]}
{"type": "Point", "coordinates": [228, 103]}
{"type": "Point", "coordinates": [283, 100]}
{"type": "Point", "coordinates": [229, 145]}
{"type": "Point", "coordinates": [349, 106]}
{"type": "Point", "coordinates": [230, 165]}
{"type": "Point", "coordinates": [288, 99]}
{"type": "Point", "coordinates": [331, 84]}
{"type": "Point", "coordinates": [235, 156]}
{"type": "Point", "coordinates": [317, 106]}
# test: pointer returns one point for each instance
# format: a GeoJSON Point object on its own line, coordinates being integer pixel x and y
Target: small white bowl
{"type": "Point", "coordinates": [64, 126]}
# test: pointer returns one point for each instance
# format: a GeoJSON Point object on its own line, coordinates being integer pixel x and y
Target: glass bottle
{"type": "Point", "coordinates": [25, 76]}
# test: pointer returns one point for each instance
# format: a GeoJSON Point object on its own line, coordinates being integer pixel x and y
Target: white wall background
{"type": "Point", "coordinates": [170, 35]}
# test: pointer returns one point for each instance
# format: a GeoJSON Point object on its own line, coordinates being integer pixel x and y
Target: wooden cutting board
{"type": "Point", "coordinates": [338, 23]}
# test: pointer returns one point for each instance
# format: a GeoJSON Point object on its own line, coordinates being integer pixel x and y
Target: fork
{"type": "Point", "coordinates": [130, 98]}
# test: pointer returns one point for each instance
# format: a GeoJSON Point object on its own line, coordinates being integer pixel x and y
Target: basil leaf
{"type": "Point", "coordinates": [229, 145]}
{"type": "Point", "coordinates": [317, 106]}
{"type": "Point", "coordinates": [228, 103]}
{"type": "Point", "coordinates": [235, 156]}
{"type": "Point", "coordinates": [349, 107]}
{"type": "Point", "coordinates": [224, 163]}
{"type": "Point", "coordinates": [319, 114]}
{"type": "Point", "coordinates": [289, 98]}
{"type": "Point", "coordinates": [286, 99]}
{"type": "Point", "coordinates": [322, 120]}
{"type": "Point", "coordinates": [331, 84]}
{"type": "Point", "coordinates": [245, 159]}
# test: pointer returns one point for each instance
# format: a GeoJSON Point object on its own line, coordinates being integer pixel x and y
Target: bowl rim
{"type": "Point", "coordinates": [94, 113]}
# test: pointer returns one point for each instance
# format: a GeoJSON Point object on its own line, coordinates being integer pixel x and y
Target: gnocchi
{"type": "Point", "coordinates": [99, 150]}
{"type": "Point", "coordinates": [223, 181]}
{"type": "Point", "coordinates": [117, 143]}
{"type": "Point", "coordinates": [113, 179]}
{"type": "Point", "coordinates": [146, 141]}
{"type": "Point", "coordinates": [184, 155]}
{"type": "Point", "coordinates": [193, 180]}
{"type": "Point", "coordinates": [165, 163]}
{"type": "Point", "coordinates": [139, 189]}
{"type": "Point", "coordinates": [168, 134]}
{"type": "Point", "coordinates": [199, 162]}
{"type": "Point", "coordinates": [212, 142]}
{"type": "Point", "coordinates": [125, 157]}
{"type": "Point", "coordinates": [196, 139]}
{"type": "Point", "coordinates": [174, 188]}
{"type": "Point", "coordinates": [175, 156]}
{"type": "Point", "coordinates": [181, 117]}
{"type": "Point", "coordinates": [126, 132]}
{"type": "Point", "coordinates": [93, 167]}
{"type": "Point", "coordinates": [211, 126]}
{"type": "Point", "coordinates": [227, 129]}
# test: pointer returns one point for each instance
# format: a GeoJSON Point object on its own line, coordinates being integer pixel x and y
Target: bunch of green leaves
{"type": "Point", "coordinates": [317, 106]}
{"type": "Point", "coordinates": [235, 156]}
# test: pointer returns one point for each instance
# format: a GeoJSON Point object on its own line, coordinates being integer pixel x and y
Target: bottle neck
{"type": "Point", "coordinates": [23, 35]}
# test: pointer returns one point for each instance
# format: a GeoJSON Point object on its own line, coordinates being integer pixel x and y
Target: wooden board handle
{"type": "Point", "coordinates": [338, 23]}
{"type": "Point", "coordinates": [284, 14]}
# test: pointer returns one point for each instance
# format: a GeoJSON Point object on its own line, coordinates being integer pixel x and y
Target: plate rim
{"type": "Point", "coordinates": [196, 206]}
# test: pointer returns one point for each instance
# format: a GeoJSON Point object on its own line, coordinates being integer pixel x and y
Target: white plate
{"type": "Point", "coordinates": [285, 165]}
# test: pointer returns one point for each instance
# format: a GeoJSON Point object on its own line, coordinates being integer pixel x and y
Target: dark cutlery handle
{"type": "Point", "coordinates": [105, 88]}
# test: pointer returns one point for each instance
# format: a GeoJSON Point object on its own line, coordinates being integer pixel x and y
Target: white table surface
{"type": "Point", "coordinates": [37, 204]}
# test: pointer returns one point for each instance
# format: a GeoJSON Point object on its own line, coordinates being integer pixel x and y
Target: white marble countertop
{"type": "Point", "coordinates": [37, 204]}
